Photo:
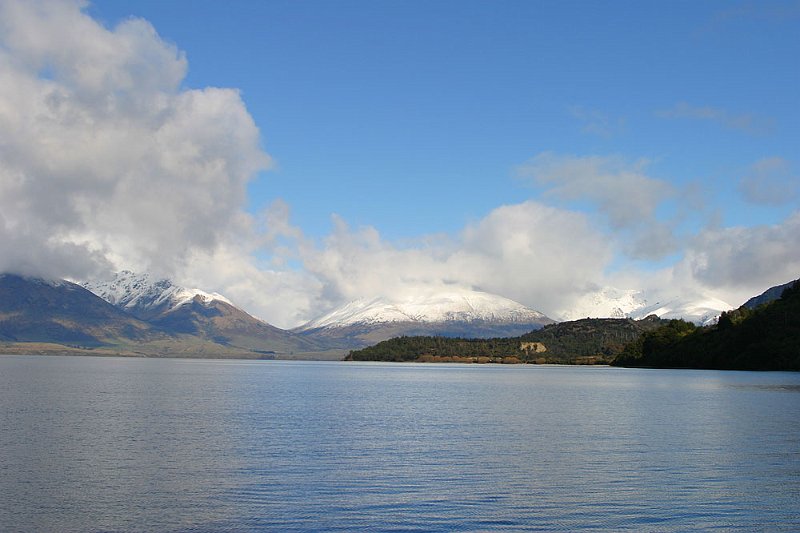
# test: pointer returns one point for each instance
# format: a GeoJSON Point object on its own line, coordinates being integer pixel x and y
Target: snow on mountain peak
{"type": "Point", "coordinates": [703, 310]}
{"type": "Point", "coordinates": [609, 302]}
{"type": "Point", "coordinates": [140, 291]}
{"type": "Point", "coordinates": [429, 306]}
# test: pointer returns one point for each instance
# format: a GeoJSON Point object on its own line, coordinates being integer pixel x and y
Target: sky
{"type": "Point", "coordinates": [296, 155]}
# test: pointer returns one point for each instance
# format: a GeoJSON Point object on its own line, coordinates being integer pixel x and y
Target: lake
{"type": "Point", "coordinates": [116, 444]}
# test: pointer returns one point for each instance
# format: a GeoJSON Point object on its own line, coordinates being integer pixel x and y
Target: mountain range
{"type": "Point", "coordinates": [139, 314]}
{"type": "Point", "coordinates": [209, 316]}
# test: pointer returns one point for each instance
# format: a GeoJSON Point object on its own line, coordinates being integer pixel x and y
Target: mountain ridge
{"type": "Point", "coordinates": [209, 316]}
{"type": "Point", "coordinates": [58, 311]}
{"type": "Point", "coordinates": [430, 306]}
{"type": "Point", "coordinates": [164, 317]}
{"type": "Point", "coordinates": [143, 296]}
{"type": "Point", "coordinates": [769, 295]}
{"type": "Point", "coordinates": [454, 312]}
{"type": "Point", "coordinates": [584, 341]}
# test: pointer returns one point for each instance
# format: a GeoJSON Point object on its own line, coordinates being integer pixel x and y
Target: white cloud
{"type": "Point", "coordinates": [739, 262]}
{"type": "Point", "coordinates": [770, 181]}
{"type": "Point", "coordinates": [281, 296]}
{"type": "Point", "coordinates": [530, 252]}
{"type": "Point", "coordinates": [620, 189]}
{"type": "Point", "coordinates": [539, 255]}
{"type": "Point", "coordinates": [745, 122]}
{"type": "Point", "coordinates": [105, 159]}
{"type": "Point", "coordinates": [107, 162]}
{"type": "Point", "coordinates": [651, 241]}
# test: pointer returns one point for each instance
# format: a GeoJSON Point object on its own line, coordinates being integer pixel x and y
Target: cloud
{"type": "Point", "coordinates": [745, 259]}
{"type": "Point", "coordinates": [543, 256]}
{"type": "Point", "coordinates": [530, 252]}
{"type": "Point", "coordinates": [620, 189]}
{"type": "Point", "coordinates": [770, 181]}
{"type": "Point", "coordinates": [281, 296]}
{"type": "Point", "coordinates": [596, 122]}
{"type": "Point", "coordinates": [746, 122]}
{"type": "Point", "coordinates": [106, 161]}
{"type": "Point", "coordinates": [651, 242]}
{"type": "Point", "coordinates": [538, 255]}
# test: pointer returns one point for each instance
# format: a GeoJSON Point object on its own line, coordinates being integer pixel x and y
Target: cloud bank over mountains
{"type": "Point", "coordinates": [106, 158]}
{"type": "Point", "coordinates": [109, 162]}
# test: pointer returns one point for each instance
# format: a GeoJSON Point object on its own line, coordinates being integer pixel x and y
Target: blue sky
{"type": "Point", "coordinates": [411, 116]}
{"type": "Point", "coordinates": [421, 138]}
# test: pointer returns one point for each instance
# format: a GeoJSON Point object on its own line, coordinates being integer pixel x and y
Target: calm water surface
{"type": "Point", "coordinates": [103, 444]}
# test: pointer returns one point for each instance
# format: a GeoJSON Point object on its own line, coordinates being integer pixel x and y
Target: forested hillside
{"type": "Point", "coordinates": [764, 338]}
{"type": "Point", "coordinates": [587, 341]}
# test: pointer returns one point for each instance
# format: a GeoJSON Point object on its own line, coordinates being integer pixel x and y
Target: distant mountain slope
{"type": "Point", "coordinates": [766, 338]}
{"type": "Point", "coordinates": [769, 295]}
{"type": "Point", "coordinates": [591, 340]}
{"type": "Point", "coordinates": [209, 316]}
{"type": "Point", "coordinates": [453, 312]}
{"type": "Point", "coordinates": [36, 310]}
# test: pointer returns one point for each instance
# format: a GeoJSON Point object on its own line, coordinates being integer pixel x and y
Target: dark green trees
{"type": "Point", "coordinates": [767, 338]}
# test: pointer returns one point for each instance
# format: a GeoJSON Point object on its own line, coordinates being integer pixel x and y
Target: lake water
{"type": "Point", "coordinates": [106, 444]}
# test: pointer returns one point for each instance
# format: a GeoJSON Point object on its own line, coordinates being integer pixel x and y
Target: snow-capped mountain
{"type": "Point", "coordinates": [607, 302]}
{"type": "Point", "coordinates": [210, 316]}
{"type": "Point", "coordinates": [146, 297]}
{"type": "Point", "coordinates": [451, 312]}
{"type": "Point", "coordinates": [703, 311]}
{"type": "Point", "coordinates": [57, 311]}
{"type": "Point", "coordinates": [453, 305]}
{"type": "Point", "coordinates": [610, 302]}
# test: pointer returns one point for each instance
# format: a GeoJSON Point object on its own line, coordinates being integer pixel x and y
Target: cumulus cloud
{"type": "Point", "coordinates": [536, 254]}
{"type": "Point", "coordinates": [540, 255]}
{"type": "Point", "coordinates": [770, 181]}
{"type": "Point", "coordinates": [620, 189]}
{"type": "Point", "coordinates": [529, 252]}
{"type": "Point", "coordinates": [744, 260]}
{"type": "Point", "coordinates": [106, 161]}
{"type": "Point", "coordinates": [282, 296]}
{"type": "Point", "coordinates": [745, 122]}
{"type": "Point", "coordinates": [651, 242]}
